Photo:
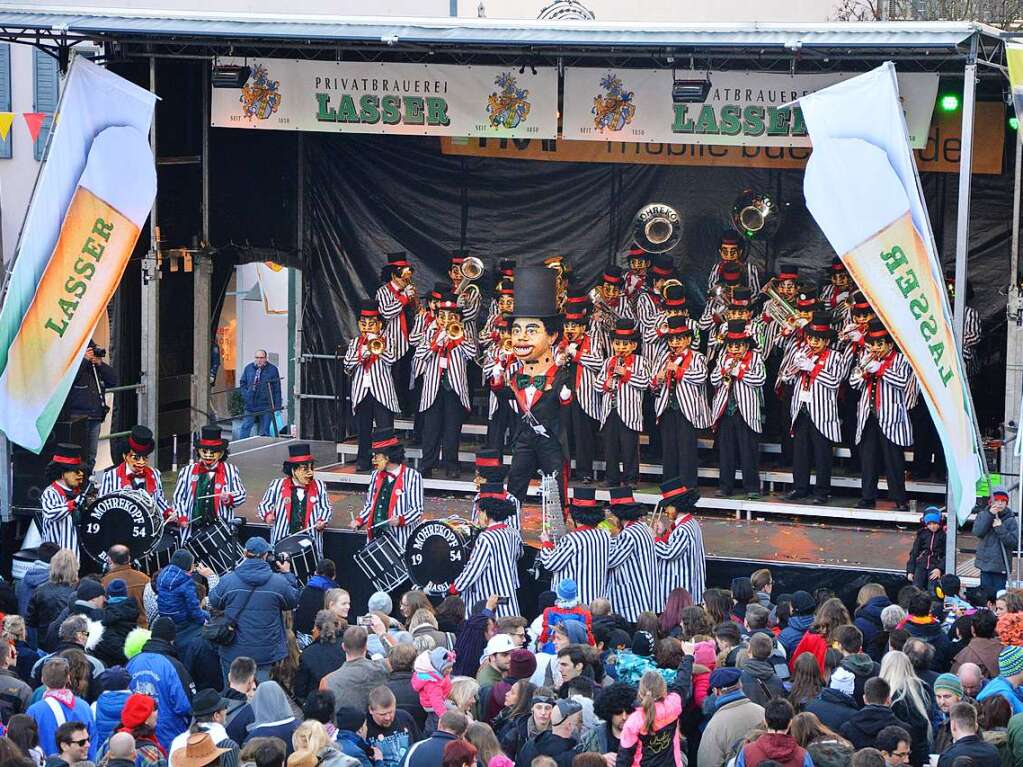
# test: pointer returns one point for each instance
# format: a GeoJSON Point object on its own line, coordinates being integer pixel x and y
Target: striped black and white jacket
{"type": "Point", "coordinates": [883, 394]}
{"type": "Point", "coordinates": [58, 504]}
{"type": "Point", "coordinates": [621, 309]}
{"type": "Point", "coordinates": [623, 394]}
{"type": "Point", "coordinates": [184, 495]}
{"type": "Point", "coordinates": [498, 368]}
{"type": "Point", "coordinates": [648, 314]}
{"type": "Point", "coordinates": [397, 325]}
{"type": "Point", "coordinates": [584, 363]}
{"type": "Point", "coordinates": [835, 303]}
{"type": "Point", "coordinates": [688, 386]}
{"type": "Point", "coordinates": [713, 316]}
{"type": "Point", "coordinates": [371, 373]}
{"type": "Point", "coordinates": [746, 386]}
{"type": "Point", "coordinates": [581, 555]}
{"type": "Point", "coordinates": [513, 521]}
{"type": "Point", "coordinates": [654, 344]}
{"type": "Point", "coordinates": [437, 356]}
{"type": "Point", "coordinates": [632, 570]}
{"type": "Point", "coordinates": [816, 389]}
{"type": "Point", "coordinates": [408, 505]}
{"type": "Point", "coordinates": [470, 303]}
{"type": "Point", "coordinates": [752, 277]}
{"type": "Point", "coordinates": [116, 478]}
{"type": "Point", "coordinates": [681, 561]}
{"type": "Point", "coordinates": [756, 327]}
{"type": "Point", "coordinates": [276, 503]}
{"type": "Point", "coordinates": [492, 569]}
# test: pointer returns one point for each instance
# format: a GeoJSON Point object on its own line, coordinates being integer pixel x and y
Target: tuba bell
{"type": "Point", "coordinates": [657, 228]}
{"type": "Point", "coordinates": [471, 268]}
{"type": "Point", "coordinates": [756, 215]}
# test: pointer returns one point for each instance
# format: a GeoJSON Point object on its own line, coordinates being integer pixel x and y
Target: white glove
{"type": "Point", "coordinates": [856, 335]}
{"type": "Point", "coordinates": [805, 363]}
{"type": "Point", "coordinates": [843, 296]}
{"type": "Point", "coordinates": [873, 366]}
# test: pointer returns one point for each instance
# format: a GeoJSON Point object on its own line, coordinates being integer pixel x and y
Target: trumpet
{"type": "Point", "coordinates": [455, 330]}
{"type": "Point", "coordinates": [377, 345]}
{"type": "Point", "coordinates": [507, 346]}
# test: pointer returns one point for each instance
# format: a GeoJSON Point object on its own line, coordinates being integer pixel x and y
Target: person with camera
{"type": "Point", "coordinates": [252, 597]}
{"type": "Point", "coordinates": [86, 401]}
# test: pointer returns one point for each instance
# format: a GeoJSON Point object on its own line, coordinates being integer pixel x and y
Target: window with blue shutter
{"type": "Point", "coordinates": [5, 96]}
{"type": "Point", "coordinates": [46, 93]}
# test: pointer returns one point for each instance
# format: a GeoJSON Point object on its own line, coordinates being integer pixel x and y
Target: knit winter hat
{"type": "Point", "coordinates": [350, 719]}
{"type": "Point", "coordinates": [137, 710]}
{"type": "Point", "coordinates": [567, 590]}
{"type": "Point", "coordinates": [381, 602]}
{"type": "Point", "coordinates": [164, 628]}
{"type": "Point", "coordinates": [643, 644]}
{"type": "Point", "coordinates": [1010, 661]}
{"type": "Point", "coordinates": [803, 604]}
{"type": "Point", "coordinates": [932, 514]}
{"type": "Point", "coordinates": [117, 588]}
{"type": "Point", "coordinates": [441, 659]}
{"type": "Point", "coordinates": [949, 682]}
{"type": "Point", "coordinates": [522, 664]}
{"type": "Point", "coordinates": [89, 589]}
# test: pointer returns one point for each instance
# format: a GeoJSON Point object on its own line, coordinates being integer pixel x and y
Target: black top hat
{"type": "Point", "coordinates": [837, 265]}
{"type": "Point", "coordinates": [876, 330]}
{"type": "Point", "coordinates": [140, 441]}
{"type": "Point", "coordinates": [820, 326]}
{"type": "Point", "coordinates": [736, 333]}
{"type": "Point", "coordinates": [612, 274]}
{"type": "Point", "coordinates": [742, 298]}
{"type": "Point", "coordinates": [506, 265]}
{"type": "Point", "coordinates": [505, 288]}
{"type": "Point", "coordinates": [625, 330]}
{"type": "Point", "coordinates": [487, 458]}
{"type": "Point", "coordinates": [674, 295]}
{"type": "Point", "coordinates": [788, 272]}
{"type": "Point", "coordinates": [636, 252]}
{"type": "Point", "coordinates": [211, 438]}
{"type": "Point", "coordinates": [383, 440]}
{"type": "Point", "coordinates": [368, 308]}
{"type": "Point", "coordinates": [807, 298]}
{"type": "Point", "coordinates": [448, 302]}
{"type": "Point", "coordinates": [576, 295]}
{"type": "Point", "coordinates": [497, 507]}
{"type": "Point", "coordinates": [730, 237]}
{"type": "Point", "coordinates": [731, 273]}
{"type": "Point", "coordinates": [675, 493]}
{"type": "Point", "coordinates": [628, 510]}
{"type": "Point", "coordinates": [664, 265]}
{"type": "Point", "coordinates": [860, 304]}
{"type": "Point", "coordinates": [678, 326]}
{"type": "Point", "coordinates": [621, 495]}
{"type": "Point", "coordinates": [398, 258]}
{"type": "Point", "coordinates": [68, 456]}
{"type": "Point", "coordinates": [300, 452]}
{"type": "Point", "coordinates": [577, 313]}
{"type": "Point", "coordinates": [584, 496]}
{"type": "Point", "coordinates": [535, 293]}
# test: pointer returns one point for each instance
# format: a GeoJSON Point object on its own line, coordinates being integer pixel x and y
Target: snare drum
{"type": "Point", "coordinates": [383, 563]}
{"type": "Point", "coordinates": [216, 547]}
{"type": "Point", "coordinates": [301, 550]}
{"type": "Point", "coordinates": [159, 556]}
{"type": "Point", "coordinates": [437, 552]}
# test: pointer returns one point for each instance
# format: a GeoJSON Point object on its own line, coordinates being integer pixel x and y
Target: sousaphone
{"type": "Point", "coordinates": [657, 228]}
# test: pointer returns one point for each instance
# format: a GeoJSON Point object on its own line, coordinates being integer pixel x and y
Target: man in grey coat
{"type": "Point", "coordinates": [997, 531]}
{"type": "Point", "coordinates": [352, 682]}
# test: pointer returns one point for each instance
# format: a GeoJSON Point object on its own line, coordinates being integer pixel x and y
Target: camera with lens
{"type": "Point", "coordinates": [99, 351]}
{"type": "Point", "coordinates": [279, 559]}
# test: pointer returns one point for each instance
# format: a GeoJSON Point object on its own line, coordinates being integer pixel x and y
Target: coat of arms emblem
{"type": "Point", "coordinates": [613, 109]}
{"type": "Point", "coordinates": [507, 107]}
{"type": "Point", "coordinates": [261, 96]}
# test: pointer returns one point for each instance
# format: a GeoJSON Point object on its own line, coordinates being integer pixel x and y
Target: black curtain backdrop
{"type": "Point", "coordinates": [367, 195]}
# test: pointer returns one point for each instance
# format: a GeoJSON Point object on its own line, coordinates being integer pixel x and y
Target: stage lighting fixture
{"type": "Point", "coordinates": [1014, 122]}
{"type": "Point", "coordinates": [689, 91]}
{"type": "Point", "coordinates": [949, 102]}
{"type": "Point", "coordinates": [230, 76]}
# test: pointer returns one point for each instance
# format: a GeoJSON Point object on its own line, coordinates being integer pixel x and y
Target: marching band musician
{"type": "Point", "coordinates": [134, 471]}
{"type": "Point", "coordinates": [738, 376]}
{"type": "Point", "coordinates": [505, 274]}
{"type": "Point", "coordinates": [731, 251]}
{"type": "Point", "coordinates": [883, 428]}
{"type": "Point", "coordinates": [298, 503]}
{"type": "Point", "coordinates": [581, 554]}
{"type": "Point", "coordinates": [468, 300]}
{"type": "Point", "coordinates": [490, 473]}
{"type": "Point", "coordinates": [443, 359]}
{"type": "Point", "coordinates": [718, 301]}
{"type": "Point", "coordinates": [852, 340]}
{"type": "Point", "coordinates": [492, 567]}
{"type": "Point", "coordinates": [398, 303]}
{"type": "Point", "coordinates": [679, 545]}
{"type": "Point", "coordinates": [609, 304]}
{"type": "Point", "coordinates": [505, 301]}
{"type": "Point", "coordinates": [815, 372]}
{"type": "Point", "coordinates": [836, 294]}
{"type": "Point", "coordinates": [62, 498]}
{"type": "Point", "coordinates": [394, 497]}
{"type": "Point", "coordinates": [577, 355]}
{"type": "Point", "coordinates": [632, 561]}
{"type": "Point", "coordinates": [499, 363]}
{"type": "Point", "coordinates": [649, 302]}
{"type": "Point", "coordinates": [638, 261]}
{"type": "Point", "coordinates": [540, 387]}
{"type": "Point", "coordinates": [208, 488]}
{"type": "Point", "coordinates": [740, 308]}
{"type": "Point", "coordinates": [791, 339]}
{"type": "Point", "coordinates": [427, 314]}
{"type": "Point", "coordinates": [786, 286]}
{"type": "Point", "coordinates": [368, 361]}
{"type": "Point", "coordinates": [681, 402]}
{"type": "Point", "coordinates": [622, 381]}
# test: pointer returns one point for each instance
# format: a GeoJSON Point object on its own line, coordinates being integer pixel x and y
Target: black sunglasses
{"type": "Point", "coordinates": [81, 742]}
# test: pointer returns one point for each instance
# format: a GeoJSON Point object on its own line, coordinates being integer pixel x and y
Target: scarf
{"type": "Point", "coordinates": [311, 493]}
{"type": "Point", "coordinates": [124, 479]}
{"type": "Point", "coordinates": [64, 697]}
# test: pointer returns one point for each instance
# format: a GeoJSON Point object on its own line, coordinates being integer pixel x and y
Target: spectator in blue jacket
{"type": "Point", "coordinates": [803, 607]}
{"type": "Point", "coordinates": [351, 737]}
{"type": "Point", "coordinates": [157, 672]}
{"type": "Point", "coordinates": [177, 599]}
{"type": "Point", "coordinates": [59, 705]}
{"type": "Point", "coordinates": [260, 385]}
{"type": "Point", "coordinates": [254, 596]}
{"type": "Point", "coordinates": [106, 711]}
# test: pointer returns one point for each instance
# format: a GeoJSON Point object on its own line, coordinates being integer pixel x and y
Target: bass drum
{"type": "Point", "coordinates": [437, 552]}
{"type": "Point", "coordinates": [127, 517]}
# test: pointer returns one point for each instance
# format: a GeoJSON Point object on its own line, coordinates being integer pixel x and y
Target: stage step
{"type": "Point", "coordinates": [349, 449]}
{"type": "Point", "coordinates": [473, 429]}
{"type": "Point", "coordinates": [342, 476]}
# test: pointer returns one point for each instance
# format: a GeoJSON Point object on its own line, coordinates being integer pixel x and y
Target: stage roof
{"type": "Point", "coordinates": [54, 26]}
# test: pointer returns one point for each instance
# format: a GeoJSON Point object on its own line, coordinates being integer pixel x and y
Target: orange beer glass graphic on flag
{"type": "Point", "coordinates": [101, 226]}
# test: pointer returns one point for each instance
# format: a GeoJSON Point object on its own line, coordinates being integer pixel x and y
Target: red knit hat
{"type": "Point", "coordinates": [137, 709]}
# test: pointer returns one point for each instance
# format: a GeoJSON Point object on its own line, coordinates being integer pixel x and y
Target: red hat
{"type": "Point", "coordinates": [612, 275]}
{"type": "Point", "coordinates": [137, 709]}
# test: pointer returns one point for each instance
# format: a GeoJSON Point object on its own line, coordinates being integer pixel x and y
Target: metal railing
{"type": "Point", "coordinates": [139, 390]}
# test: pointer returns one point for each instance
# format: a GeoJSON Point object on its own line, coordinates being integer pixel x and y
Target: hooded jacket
{"type": "Point", "coordinates": [830, 753]}
{"type": "Point", "coordinates": [106, 712]}
{"type": "Point", "coordinates": [779, 746]}
{"type": "Point", "coordinates": [432, 686]}
{"type": "Point", "coordinates": [832, 707]}
{"type": "Point", "coordinates": [760, 682]}
{"type": "Point", "coordinates": [157, 672]}
{"type": "Point", "coordinates": [119, 618]}
{"type": "Point", "coordinates": [928, 551]}
{"type": "Point", "coordinates": [36, 575]}
{"type": "Point", "coordinates": [852, 673]}
{"type": "Point", "coordinates": [260, 634]}
{"type": "Point", "coordinates": [931, 631]}
{"type": "Point", "coordinates": [631, 667]}
{"type": "Point", "coordinates": [792, 633]}
{"type": "Point", "coordinates": [984, 652]}
{"type": "Point", "coordinates": [868, 619]}
{"type": "Point", "coordinates": [861, 728]}
{"type": "Point", "coordinates": [177, 598]}
{"type": "Point", "coordinates": [311, 601]}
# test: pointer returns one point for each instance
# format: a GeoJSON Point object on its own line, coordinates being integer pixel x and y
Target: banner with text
{"type": "Point", "coordinates": [92, 197]}
{"type": "Point", "coordinates": [861, 187]}
{"type": "Point", "coordinates": [411, 99]}
{"type": "Point", "coordinates": [701, 107]}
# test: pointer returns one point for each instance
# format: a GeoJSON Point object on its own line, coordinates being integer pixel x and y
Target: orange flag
{"type": "Point", "coordinates": [34, 121]}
